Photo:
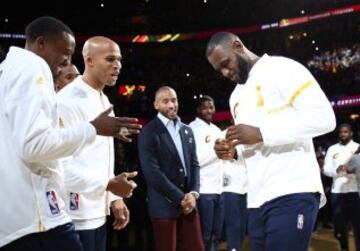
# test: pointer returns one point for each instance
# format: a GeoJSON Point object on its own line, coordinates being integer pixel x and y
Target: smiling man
{"type": "Point", "coordinates": [278, 107]}
{"type": "Point", "coordinates": [211, 205]}
{"type": "Point", "coordinates": [168, 160]}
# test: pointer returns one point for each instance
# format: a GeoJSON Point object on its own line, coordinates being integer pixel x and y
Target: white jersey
{"type": "Point", "coordinates": [235, 176]}
{"type": "Point", "coordinates": [284, 100]}
{"type": "Point", "coordinates": [88, 172]}
{"type": "Point", "coordinates": [31, 141]}
{"type": "Point", "coordinates": [211, 167]}
{"type": "Point", "coordinates": [337, 155]}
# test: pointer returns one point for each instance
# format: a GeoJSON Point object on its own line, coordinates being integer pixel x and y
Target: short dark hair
{"type": "Point", "coordinates": [45, 26]}
{"type": "Point", "coordinates": [345, 125]}
{"type": "Point", "coordinates": [202, 100]}
{"type": "Point", "coordinates": [162, 89]}
{"type": "Point", "coordinates": [219, 38]}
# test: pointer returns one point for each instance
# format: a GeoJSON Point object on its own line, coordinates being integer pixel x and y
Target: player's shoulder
{"type": "Point", "coordinates": [149, 126]}
{"type": "Point", "coordinates": [354, 142]}
{"type": "Point", "coordinates": [73, 90]}
{"type": "Point", "coordinates": [284, 63]}
{"type": "Point", "coordinates": [333, 147]}
{"type": "Point", "coordinates": [215, 128]}
{"type": "Point", "coordinates": [281, 59]}
{"type": "Point", "coordinates": [194, 124]}
{"type": "Point", "coordinates": [26, 63]}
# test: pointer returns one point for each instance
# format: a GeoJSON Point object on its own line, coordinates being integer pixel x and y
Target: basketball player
{"type": "Point", "coordinates": [278, 107]}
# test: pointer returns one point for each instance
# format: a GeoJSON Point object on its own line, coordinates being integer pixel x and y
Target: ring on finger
{"type": "Point", "coordinates": [123, 131]}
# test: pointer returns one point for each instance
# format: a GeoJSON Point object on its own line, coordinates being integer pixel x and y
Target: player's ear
{"type": "Point", "coordinates": [156, 105]}
{"type": "Point", "coordinates": [238, 46]}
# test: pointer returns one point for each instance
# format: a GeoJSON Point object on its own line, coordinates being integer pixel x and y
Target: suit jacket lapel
{"type": "Point", "coordinates": [184, 141]}
{"type": "Point", "coordinates": [167, 140]}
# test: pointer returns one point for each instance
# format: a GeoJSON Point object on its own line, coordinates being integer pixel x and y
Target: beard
{"type": "Point", "coordinates": [243, 69]}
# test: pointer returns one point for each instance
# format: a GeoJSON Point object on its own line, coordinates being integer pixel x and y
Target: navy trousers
{"type": "Point", "coordinates": [284, 223]}
{"type": "Point", "coordinates": [211, 211]}
{"type": "Point", "coordinates": [61, 238]}
{"type": "Point", "coordinates": [346, 207]}
{"type": "Point", "coordinates": [93, 239]}
{"type": "Point", "coordinates": [235, 220]}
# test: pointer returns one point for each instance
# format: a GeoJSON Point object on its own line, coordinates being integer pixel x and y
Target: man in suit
{"type": "Point", "coordinates": [168, 160]}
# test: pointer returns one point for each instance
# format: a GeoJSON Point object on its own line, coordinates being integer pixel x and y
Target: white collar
{"type": "Point", "coordinates": [258, 64]}
{"type": "Point", "coordinates": [202, 122]}
{"type": "Point", "coordinates": [166, 120]}
{"type": "Point", "coordinates": [84, 85]}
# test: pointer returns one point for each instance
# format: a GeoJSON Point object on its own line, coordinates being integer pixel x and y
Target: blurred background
{"type": "Point", "coordinates": [163, 42]}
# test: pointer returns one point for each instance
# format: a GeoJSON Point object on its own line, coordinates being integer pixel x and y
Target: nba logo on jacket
{"type": "Point", "coordinates": [74, 201]}
{"type": "Point", "coordinates": [52, 200]}
{"type": "Point", "coordinates": [300, 221]}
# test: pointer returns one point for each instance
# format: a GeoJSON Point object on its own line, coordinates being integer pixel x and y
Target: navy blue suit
{"type": "Point", "coordinates": [163, 169]}
{"type": "Point", "coordinates": [168, 180]}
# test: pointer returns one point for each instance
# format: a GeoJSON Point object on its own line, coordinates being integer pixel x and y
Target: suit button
{"type": "Point", "coordinates": [182, 185]}
{"type": "Point", "coordinates": [181, 170]}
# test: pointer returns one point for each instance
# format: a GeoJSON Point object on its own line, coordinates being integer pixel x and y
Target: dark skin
{"type": "Point", "coordinates": [110, 126]}
{"type": "Point", "coordinates": [224, 149]}
{"type": "Point", "coordinates": [57, 52]}
{"type": "Point", "coordinates": [345, 136]}
{"type": "Point", "coordinates": [102, 58]}
{"type": "Point", "coordinates": [206, 111]}
{"type": "Point", "coordinates": [121, 214]}
{"type": "Point", "coordinates": [122, 184]}
{"type": "Point", "coordinates": [234, 62]}
{"type": "Point", "coordinates": [67, 75]}
{"type": "Point", "coordinates": [166, 103]}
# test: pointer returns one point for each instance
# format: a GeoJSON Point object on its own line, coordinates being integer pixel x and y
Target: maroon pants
{"type": "Point", "coordinates": [165, 232]}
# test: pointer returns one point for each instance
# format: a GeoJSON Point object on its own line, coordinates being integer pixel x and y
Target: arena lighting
{"type": "Point", "coordinates": [159, 38]}
{"type": "Point", "coordinates": [285, 22]}
{"type": "Point", "coordinates": [165, 37]}
{"type": "Point", "coordinates": [348, 101]}
{"type": "Point", "coordinates": [354, 116]}
{"type": "Point", "coordinates": [141, 39]}
{"type": "Point", "coordinates": [12, 36]}
{"type": "Point", "coordinates": [176, 36]}
{"type": "Point", "coordinates": [128, 90]}
{"type": "Point", "coordinates": [5, 35]}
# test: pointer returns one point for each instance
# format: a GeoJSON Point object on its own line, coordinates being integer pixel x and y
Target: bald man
{"type": "Point", "coordinates": [168, 160]}
{"type": "Point", "coordinates": [89, 174]}
{"type": "Point", "coordinates": [66, 76]}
